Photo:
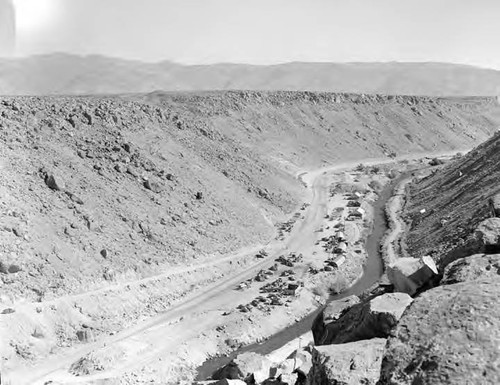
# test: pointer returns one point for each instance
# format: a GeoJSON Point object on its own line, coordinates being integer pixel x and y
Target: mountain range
{"type": "Point", "coordinates": [65, 74]}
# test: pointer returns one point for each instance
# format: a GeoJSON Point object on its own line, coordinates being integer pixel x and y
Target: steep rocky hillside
{"type": "Point", "coordinates": [456, 200]}
{"type": "Point", "coordinates": [96, 190]}
{"type": "Point", "coordinates": [69, 74]}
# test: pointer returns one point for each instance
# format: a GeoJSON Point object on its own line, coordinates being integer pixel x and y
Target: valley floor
{"type": "Point", "coordinates": [209, 318]}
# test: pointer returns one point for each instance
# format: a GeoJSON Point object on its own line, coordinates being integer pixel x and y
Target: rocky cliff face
{"type": "Point", "coordinates": [472, 268]}
{"type": "Point", "coordinates": [347, 364]}
{"type": "Point", "coordinates": [372, 319]}
{"type": "Point", "coordinates": [449, 335]}
{"type": "Point", "coordinates": [456, 199]}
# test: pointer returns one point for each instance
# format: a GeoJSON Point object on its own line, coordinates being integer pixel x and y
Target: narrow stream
{"type": "Point", "coordinates": [372, 271]}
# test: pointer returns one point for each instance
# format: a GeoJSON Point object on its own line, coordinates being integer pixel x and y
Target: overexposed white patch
{"type": "Point", "coordinates": [32, 15]}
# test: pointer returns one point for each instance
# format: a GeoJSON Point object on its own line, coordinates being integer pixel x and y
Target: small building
{"type": "Point", "coordinates": [340, 236]}
{"type": "Point", "coordinates": [292, 289]}
{"type": "Point", "coordinates": [338, 261]}
{"type": "Point", "coordinates": [274, 267]}
{"type": "Point", "coordinates": [358, 213]}
{"type": "Point", "coordinates": [340, 248]}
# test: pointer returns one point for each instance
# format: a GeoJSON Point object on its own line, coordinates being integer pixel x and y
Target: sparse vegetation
{"type": "Point", "coordinates": [360, 167]}
{"type": "Point", "coordinates": [330, 284]}
{"type": "Point", "coordinates": [376, 185]}
{"type": "Point", "coordinates": [436, 162]}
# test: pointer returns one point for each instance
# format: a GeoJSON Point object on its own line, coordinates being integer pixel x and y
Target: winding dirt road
{"type": "Point", "coordinates": [167, 331]}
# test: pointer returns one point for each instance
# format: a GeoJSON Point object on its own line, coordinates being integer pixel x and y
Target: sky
{"type": "Point", "coordinates": [264, 31]}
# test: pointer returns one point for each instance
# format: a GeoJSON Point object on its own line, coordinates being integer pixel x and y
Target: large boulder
{"type": "Point", "coordinates": [495, 205]}
{"type": "Point", "coordinates": [347, 364]}
{"type": "Point", "coordinates": [330, 313]}
{"type": "Point", "coordinates": [488, 234]}
{"type": "Point", "coordinates": [408, 275]}
{"type": "Point", "coordinates": [449, 335]}
{"type": "Point", "coordinates": [247, 367]}
{"type": "Point", "coordinates": [153, 185]}
{"type": "Point", "coordinates": [375, 318]}
{"type": "Point", "coordinates": [472, 268]}
{"type": "Point", "coordinates": [283, 379]}
{"type": "Point", "coordinates": [54, 182]}
{"type": "Point", "coordinates": [303, 362]}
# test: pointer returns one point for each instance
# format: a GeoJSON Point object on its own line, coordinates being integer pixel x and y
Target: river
{"type": "Point", "coordinates": [372, 271]}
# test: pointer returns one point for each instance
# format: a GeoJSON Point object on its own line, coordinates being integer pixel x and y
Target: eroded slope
{"type": "Point", "coordinates": [456, 200]}
{"type": "Point", "coordinates": [221, 165]}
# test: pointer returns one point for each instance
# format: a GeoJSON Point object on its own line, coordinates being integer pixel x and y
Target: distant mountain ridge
{"type": "Point", "coordinates": [79, 75]}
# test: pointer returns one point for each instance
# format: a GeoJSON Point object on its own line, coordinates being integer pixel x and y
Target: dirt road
{"type": "Point", "coordinates": [183, 321]}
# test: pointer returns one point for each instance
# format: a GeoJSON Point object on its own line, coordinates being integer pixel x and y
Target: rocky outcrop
{"type": "Point", "coordinates": [248, 367]}
{"type": "Point", "coordinates": [352, 363]}
{"type": "Point", "coordinates": [488, 234]}
{"type": "Point", "coordinates": [495, 205]}
{"type": "Point", "coordinates": [408, 275]}
{"type": "Point", "coordinates": [375, 318]}
{"type": "Point", "coordinates": [284, 379]}
{"type": "Point", "coordinates": [472, 268]}
{"type": "Point", "coordinates": [449, 335]}
{"type": "Point", "coordinates": [53, 182]}
{"type": "Point", "coordinates": [331, 313]}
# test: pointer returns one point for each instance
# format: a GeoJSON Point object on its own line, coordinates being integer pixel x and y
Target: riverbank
{"type": "Point", "coordinates": [371, 271]}
{"type": "Point", "coordinates": [390, 246]}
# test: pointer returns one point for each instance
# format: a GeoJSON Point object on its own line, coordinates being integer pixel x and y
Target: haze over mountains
{"type": "Point", "coordinates": [71, 74]}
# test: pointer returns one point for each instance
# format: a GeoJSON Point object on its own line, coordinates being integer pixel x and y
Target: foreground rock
{"type": "Point", "coordinates": [449, 335]}
{"type": "Point", "coordinates": [472, 268]}
{"type": "Point", "coordinates": [331, 313]}
{"type": "Point", "coordinates": [54, 182]}
{"type": "Point", "coordinates": [495, 205]}
{"type": "Point", "coordinates": [408, 275]}
{"type": "Point", "coordinates": [352, 363]}
{"type": "Point", "coordinates": [251, 367]}
{"type": "Point", "coordinates": [375, 318]}
{"type": "Point", "coordinates": [488, 233]}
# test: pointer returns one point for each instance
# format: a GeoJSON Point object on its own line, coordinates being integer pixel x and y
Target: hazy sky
{"type": "Point", "coordinates": [265, 31]}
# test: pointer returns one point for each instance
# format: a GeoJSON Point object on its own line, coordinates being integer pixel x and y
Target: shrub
{"type": "Point", "coordinates": [375, 185]}
{"type": "Point", "coordinates": [436, 162]}
{"type": "Point", "coordinates": [375, 169]}
{"type": "Point", "coordinates": [392, 174]}
{"type": "Point", "coordinates": [330, 284]}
